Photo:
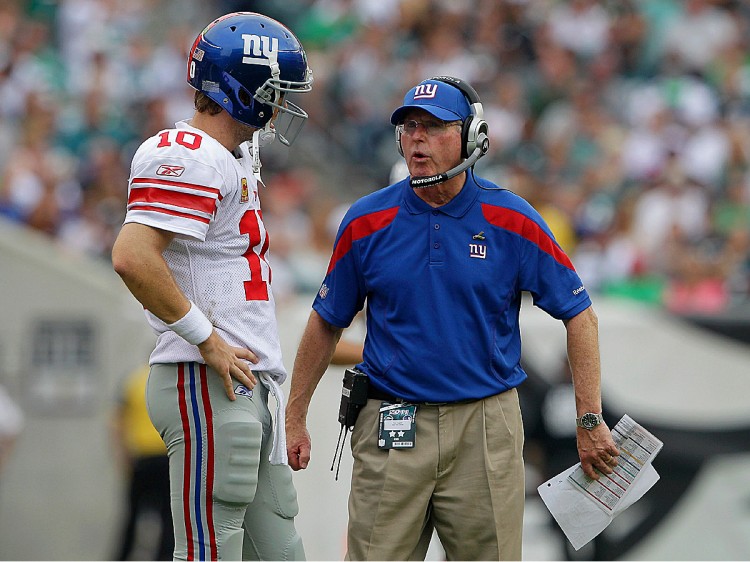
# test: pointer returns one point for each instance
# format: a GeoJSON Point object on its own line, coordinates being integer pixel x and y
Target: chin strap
{"type": "Point", "coordinates": [266, 135]}
{"type": "Point", "coordinates": [273, 64]}
{"type": "Point", "coordinates": [255, 156]}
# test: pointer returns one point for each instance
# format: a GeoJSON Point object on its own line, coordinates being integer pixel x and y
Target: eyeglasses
{"type": "Point", "coordinates": [432, 128]}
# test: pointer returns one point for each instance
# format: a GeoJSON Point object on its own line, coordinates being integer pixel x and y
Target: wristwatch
{"type": "Point", "coordinates": [589, 421]}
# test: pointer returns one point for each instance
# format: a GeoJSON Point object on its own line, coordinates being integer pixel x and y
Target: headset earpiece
{"type": "Point", "coordinates": [475, 131]}
{"type": "Point", "coordinates": [476, 135]}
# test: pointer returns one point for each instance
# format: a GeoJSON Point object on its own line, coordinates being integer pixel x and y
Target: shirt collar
{"type": "Point", "coordinates": [456, 207]}
{"type": "Point", "coordinates": [184, 124]}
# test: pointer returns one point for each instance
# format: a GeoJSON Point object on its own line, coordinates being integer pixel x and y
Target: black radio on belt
{"type": "Point", "coordinates": [353, 396]}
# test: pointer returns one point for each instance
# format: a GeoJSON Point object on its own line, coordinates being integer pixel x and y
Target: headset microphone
{"type": "Point", "coordinates": [427, 181]}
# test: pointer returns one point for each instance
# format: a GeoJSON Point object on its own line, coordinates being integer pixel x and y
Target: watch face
{"type": "Point", "coordinates": [589, 421]}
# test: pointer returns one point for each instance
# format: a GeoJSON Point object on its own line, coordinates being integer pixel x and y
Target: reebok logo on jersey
{"type": "Point", "coordinates": [478, 251]}
{"type": "Point", "coordinates": [578, 290]}
{"type": "Point", "coordinates": [479, 236]}
{"type": "Point", "coordinates": [170, 170]}
{"type": "Point", "coordinates": [242, 390]}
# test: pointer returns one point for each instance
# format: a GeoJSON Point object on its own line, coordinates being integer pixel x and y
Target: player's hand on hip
{"type": "Point", "coordinates": [297, 443]}
{"type": "Point", "coordinates": [229, 362]}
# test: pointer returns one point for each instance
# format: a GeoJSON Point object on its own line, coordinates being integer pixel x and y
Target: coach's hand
{"type": "Point", "coordinates": [597, 451]}
{"type": "Point", "coordinates": [229, 362]}
{"type": "Point", "coordinates": [297, 443]}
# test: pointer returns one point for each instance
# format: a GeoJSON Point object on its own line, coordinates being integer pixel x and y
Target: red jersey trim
{"type": "Point", "coordinates": [169, 212]}
{"type": "Point", "coordinates": [178, 184]}
{"type": "Point", "coordinates": [203, 203]}
{"type": "Point", "coordinates": [360, 228]}
{"type": "Point", "coordinates": [523, 226]}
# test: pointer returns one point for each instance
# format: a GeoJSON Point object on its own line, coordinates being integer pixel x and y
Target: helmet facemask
{"type": "Point", "coordinates": [288, 117]}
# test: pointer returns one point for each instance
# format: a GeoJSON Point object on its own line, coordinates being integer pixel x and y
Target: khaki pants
{"type": "Point", "coordinates": [464, 478]}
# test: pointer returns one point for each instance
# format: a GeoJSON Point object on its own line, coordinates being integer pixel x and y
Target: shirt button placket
{"type": "Point", "coordinates": [436, 252]}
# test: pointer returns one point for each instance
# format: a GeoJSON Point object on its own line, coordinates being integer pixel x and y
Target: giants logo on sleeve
{"type": "Point", "coordinates": [170, 170]}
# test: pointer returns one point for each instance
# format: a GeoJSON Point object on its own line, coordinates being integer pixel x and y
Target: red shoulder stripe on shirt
{"type": "Point", "coordinates": [204, 203]}
{"type": "Point", "coordinates": [172, 183]}
{"type": "Point", "coordinates": [528, 229]}
{"type": "Point", "coordinates": [359, 228]}
{"type": "Point", "coordinates": [170, 212]}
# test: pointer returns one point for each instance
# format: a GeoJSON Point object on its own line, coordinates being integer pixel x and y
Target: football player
{"type": "Point", "coordinates": [193, 251]}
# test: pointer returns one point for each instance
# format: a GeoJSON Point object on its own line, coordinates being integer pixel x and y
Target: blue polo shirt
{"type": "Point", "coordinates": [443, 288]}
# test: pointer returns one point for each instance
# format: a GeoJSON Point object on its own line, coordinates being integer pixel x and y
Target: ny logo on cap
{"type": "Point", "coordinates": [425, 91]}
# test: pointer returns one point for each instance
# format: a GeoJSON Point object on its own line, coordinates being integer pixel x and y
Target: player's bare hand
{"type": "Point", "coordinates": [229, 362]}
{"type": "Point", "coordinates": [597, 451]}
{"type": "Point", "coordinates": [297, 443]}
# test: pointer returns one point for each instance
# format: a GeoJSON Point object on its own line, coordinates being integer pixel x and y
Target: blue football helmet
{"type": "Point", "coordinates": [246, 63]}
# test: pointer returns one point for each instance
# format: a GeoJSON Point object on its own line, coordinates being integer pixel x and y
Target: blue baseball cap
{"type": "Point", "coordinates": [442, 100]}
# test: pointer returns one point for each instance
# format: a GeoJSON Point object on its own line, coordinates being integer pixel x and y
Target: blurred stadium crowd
{"type": "Point", "coordinates": [625, 122]}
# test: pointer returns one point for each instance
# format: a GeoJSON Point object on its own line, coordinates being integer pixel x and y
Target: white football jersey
{"type": "Point", "coordinates": [184, 181]}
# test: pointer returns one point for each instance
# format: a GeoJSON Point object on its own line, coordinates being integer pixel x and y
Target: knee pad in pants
{"type": "Point", "coordinates": [238, 446]}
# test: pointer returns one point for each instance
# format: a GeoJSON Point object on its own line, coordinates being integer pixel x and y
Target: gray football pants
{"type": "Point", "coordinates": [228, 501]}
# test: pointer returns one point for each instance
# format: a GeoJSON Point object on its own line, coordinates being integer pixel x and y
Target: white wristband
{"type": "Point", "coordinates": [194, 327]}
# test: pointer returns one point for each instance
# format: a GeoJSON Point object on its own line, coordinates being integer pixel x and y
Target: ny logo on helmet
{"type": "Point", "coordinates": [257, 46]}
{"type": "Point", "coordinates": [425, 91]}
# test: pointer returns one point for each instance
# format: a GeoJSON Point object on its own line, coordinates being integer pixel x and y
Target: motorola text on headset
{"type": "Point", "coordinates": [475, 141]}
